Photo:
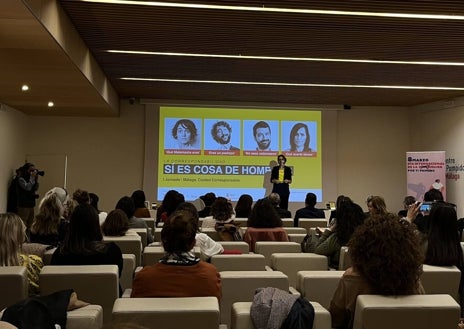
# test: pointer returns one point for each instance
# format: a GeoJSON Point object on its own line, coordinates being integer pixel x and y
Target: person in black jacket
{"type": "Point", "coordinates": [26, 188]}
{"type": "Point", "coordinates": [281, 177]}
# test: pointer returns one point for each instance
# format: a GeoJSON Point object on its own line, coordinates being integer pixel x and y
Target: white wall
{"type": "Point", "coordinates": [440, 127]}
{"type": "Point", "coordinates": [364, 151]}
{"type": "Point", "coordinates": [105, 155]}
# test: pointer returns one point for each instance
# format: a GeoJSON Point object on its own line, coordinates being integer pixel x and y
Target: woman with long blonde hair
{"type": "Point", "coordinates": [49, 226]}
{"type": "Point", "coordinates": [12, 236]}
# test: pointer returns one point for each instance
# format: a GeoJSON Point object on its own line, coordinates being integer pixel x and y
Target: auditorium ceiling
{"type": "Point", "coordinates": [292, 53]}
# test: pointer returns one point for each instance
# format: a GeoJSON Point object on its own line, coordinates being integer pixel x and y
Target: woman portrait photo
{"type": "Point", "coordinates": [184, 133]}
{"type": "Point", "coordinates": [300, 138]}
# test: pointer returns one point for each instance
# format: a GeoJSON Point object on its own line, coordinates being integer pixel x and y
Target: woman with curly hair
{"type": "Point", "coordinates": [349, 216]}
{"type": "Point", "coordinates": [222, 212]}
{"type": "Point", "coordinates": [386, 260]}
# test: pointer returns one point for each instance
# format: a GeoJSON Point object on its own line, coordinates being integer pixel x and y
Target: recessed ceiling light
{"type": "Point", "coordinates": [50, 104]}
{"type": "Point", "coordinates": [292, 84]}
{"type": "Point", "coordinates": [24, 87]}
{"type": "Point", "coordinates": [279, 9]}
{"type": "Point", "coordinates": [281, 58]}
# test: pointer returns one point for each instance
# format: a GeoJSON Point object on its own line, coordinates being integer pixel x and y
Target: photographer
{"type": "Point", "coordinates": [27, 185]}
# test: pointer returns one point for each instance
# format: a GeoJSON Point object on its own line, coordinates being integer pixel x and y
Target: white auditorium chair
{"type": "Point", "coordinates": [291, 263]}
{"type": "Point", "coordinates": [406, 312]}
{"type": "Point", "coordinates": [441, 280]}
{"type": "Point", "coordinates": [244, 262]}
{"type": "Point", "coordinates": [96, 284]}
{"type": "Point", "coordinates": [240, 286]}
{"type": "Point", "coordinates": [318, 286]}
{"type": "Point", "coordinates": [14, 285]}
{"type": "Point", "coordinates": [267, 248]}
{"type": "Point", "coordinates": [129, 244]}
{"type": "Point", "coordinates": [168, 313]}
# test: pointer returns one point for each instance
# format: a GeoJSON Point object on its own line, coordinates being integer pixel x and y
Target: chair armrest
{"type": "Point", "coordinates": [268, 268]}
{"type": "Point", "coordinates": [293, 291]}
{"type": "Point", "coordinates": [126, 293]}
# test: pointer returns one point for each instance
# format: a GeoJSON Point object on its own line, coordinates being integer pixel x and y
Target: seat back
{"type": "Point", "coordinates": [267, 248]}
{"type": "Point", "coordinates": [441, 280]}
{"type": "Point", "coordinates": [168, 313]}
{"type": "Point", "coordinates": [412, 312]}
{"type": "Point", "coordinates": [152, 255]}
{"type": "Point", "coordinates": [287, 222]}
{"type": "Point", "coordinates": [212, 233]}
{"type": "Point", "coordinates": [291, 263]}
{"type": "Point", "coordinates": [143, 235]}
{"type": "Point", "coordinates": [88, 317]}
{"type": "Point", "coordinates": [244, 262]}
{"type": "Point", "coordinates": [96, 284]}
{"type": "Point", "coordinates": [308, 223]}
{"type": "Point", "coordinates": [344, 261]}
{"type": "Point", "coordinates": [127, 274]}
{"type": "Point", "coordinates": [241, 318]}
{"type": "Point", "coordinates": [130, 244]}
{"type": "Point", "coordinates": [157, 234]}
{"type": "Point", "coordinates": [296, 237]}
{"type": "Point", "coordinates": [150, 221]}
{"type": "Point", "coordinates": [295, 230]}
{"type": "Point", "coordinates": [47, 257]}
{"type": "Point", "coordinates": [240, 286]}
{"type": "Point", "coordinates": [14, 285]}
{"type": "Point", "coordinates": [318, 286]}
{"type": "Point", "coordinates": [235, 245]}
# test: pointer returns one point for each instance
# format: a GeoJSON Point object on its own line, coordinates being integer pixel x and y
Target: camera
{"type": "Point", "coordinates": [40, 172]}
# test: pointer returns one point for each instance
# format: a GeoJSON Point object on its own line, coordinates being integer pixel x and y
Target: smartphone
{"type": "Point", "coordinates": [425, 207]}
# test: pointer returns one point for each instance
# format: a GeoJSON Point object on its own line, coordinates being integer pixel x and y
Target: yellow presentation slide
{"type": "Point", "coordinates": [231, 151]}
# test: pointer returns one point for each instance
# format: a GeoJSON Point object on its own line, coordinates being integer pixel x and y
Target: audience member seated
{"type": "Point", "coordinates": [179, 273]}
{"type": "Point", "coordinates": [126, 204]}
{"type": "Point", "coordinates": [222, 212]}
{"type": "Point", "coordinates": [264, 224]}
{"type": "Point", "coordinates": [141, 211]}
{"type": "Point", "coordinates": [386, 260]}
{"type": "Point", "coordinates": [208, 199]}
{"type": "Point", "coordinates": [94, 199]}
{"type": "Point", "coordinates": [83, 243]}
{"type": "Point", "coordinates": [117, 224]}
{"type": "Point", "coordinates": [12, 236]}
{"type": "Point", "coordinates": [408, 201]}
{"type": "Point", "coordinates": [376, 206]}
{"type": "Point", "coordinates": [422, 220]}
{"type": "Point", "coordinates": [49, 226]}
{"type": "Point", "coordinates": [349, 216]}
{"type": "Point", "coordinates": [309, 211]}
{"type": "Point", "coordinates": [171, 200]}
{"type": "Point", "coordinates": [340, 199]}
{"type": "Point", "coordinates": [208, 247]}
{"type": "Point", "coordinates": [275, 200]}
{"type": "Point", "coordinates": [243, 206]}
{"type": "Point", "coordinates": [442, 246]}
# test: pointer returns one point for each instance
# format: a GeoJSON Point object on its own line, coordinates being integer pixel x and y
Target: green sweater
{"type": "Point", "coordinates": [328, 246]}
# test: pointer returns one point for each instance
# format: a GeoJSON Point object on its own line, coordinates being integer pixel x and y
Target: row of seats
{"type": "Point", "coordinates": [99, 285]}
